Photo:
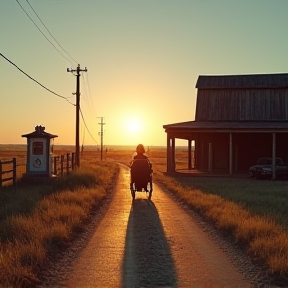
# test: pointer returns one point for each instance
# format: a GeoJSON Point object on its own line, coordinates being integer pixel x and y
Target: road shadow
{"type": "Point", "coordinates": [148, 260]}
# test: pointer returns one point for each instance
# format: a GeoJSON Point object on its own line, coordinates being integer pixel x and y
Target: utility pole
{"type": "Point", "coordinates": [101, 135]}
{"type": "Point", "coordinates": [77, 142]}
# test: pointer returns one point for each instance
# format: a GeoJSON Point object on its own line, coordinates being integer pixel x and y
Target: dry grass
{"type": "Point", "coordinates": [254, 212]}
{"type": "Point", "coordinates": [263, 236]}
{"type": "Point", "coordinates": [45, 217]}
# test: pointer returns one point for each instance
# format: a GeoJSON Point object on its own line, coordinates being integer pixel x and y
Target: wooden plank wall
{"type": "Point", "coordinates": [242, 105]}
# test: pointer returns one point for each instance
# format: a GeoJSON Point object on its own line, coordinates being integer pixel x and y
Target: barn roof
{"type": "Point", "coordinates": [242, 81]}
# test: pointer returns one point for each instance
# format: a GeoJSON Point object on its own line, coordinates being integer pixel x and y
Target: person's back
{"type": "Point", "coordinates": [140, 156]}
{"type": "Point", "coordinates": [141, 168]}
{"type": "Point", "coordinates": [141, 171]}
{"type": "Point", "coordinates": [140, 150]}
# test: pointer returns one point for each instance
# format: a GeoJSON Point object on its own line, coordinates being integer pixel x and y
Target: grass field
{"type": "Point", "coordinates": [254, 212]}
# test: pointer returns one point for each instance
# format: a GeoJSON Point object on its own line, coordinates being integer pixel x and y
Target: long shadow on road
{"type": "Point", "coordinates": [148, 260]}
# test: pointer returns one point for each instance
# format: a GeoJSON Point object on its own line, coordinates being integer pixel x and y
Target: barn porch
{"type": "Point", "coordinates": [238, 120]}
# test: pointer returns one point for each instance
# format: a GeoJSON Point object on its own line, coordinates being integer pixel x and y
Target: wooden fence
{"type": "Point", "coordinates": [9, 172]}
{"type": "Point", "coordinates": [61, 165]}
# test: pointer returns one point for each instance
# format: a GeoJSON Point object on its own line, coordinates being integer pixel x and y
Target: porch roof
{"type": "Point", "coordinates": [215, 126]}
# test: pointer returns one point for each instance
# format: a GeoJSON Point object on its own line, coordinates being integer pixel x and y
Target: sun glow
{"type": "Point", "coordinates": [133, 125]}
{"type": "Point", "coordinates": [133, 128]}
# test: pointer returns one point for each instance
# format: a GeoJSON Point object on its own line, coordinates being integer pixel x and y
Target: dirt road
{"type": "Point", "coordinates": [144, 243]}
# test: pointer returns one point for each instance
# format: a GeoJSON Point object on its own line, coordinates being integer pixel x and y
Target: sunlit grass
{"type": "Point", "coordinates": [38, 220]}
{"type": "Point", "coordinates": [254, 212]}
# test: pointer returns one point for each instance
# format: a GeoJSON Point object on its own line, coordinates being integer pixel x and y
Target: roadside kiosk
{"type": "Point", "coordinates": [38, 153]}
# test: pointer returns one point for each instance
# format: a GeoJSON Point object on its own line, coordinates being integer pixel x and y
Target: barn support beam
{"type": "Point", "coordinates": [210, 158]}
{"type": "Point", "coordinates": [202, 153]}
{"type": "Point", "coordinates": [230, 153]}
{"type": "Point", "coordinates": [173, 155]}
{"type": "Point", "coordinates": [189, 155]}
{"type": "Point", "coordinates": [274, 156]}
{"type": "Point", "coordinates": [195, 154]}
{"type": "Point", "coordinates": [170, 154]}
{"type": "Point", "coordinates": [236, 158]}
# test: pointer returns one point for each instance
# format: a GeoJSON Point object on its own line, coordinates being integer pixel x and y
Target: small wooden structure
{"type": "Point", "coordinates": [38, 153]}
{"type": "Point", "coordinates": [239, 118]}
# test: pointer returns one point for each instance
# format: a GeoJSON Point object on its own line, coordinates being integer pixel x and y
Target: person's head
{"type": "Point", "coordinates": [140, 149]}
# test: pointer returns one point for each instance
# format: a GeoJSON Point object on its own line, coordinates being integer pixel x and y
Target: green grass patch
{"type": "Point", "coordinates": [266, 198]}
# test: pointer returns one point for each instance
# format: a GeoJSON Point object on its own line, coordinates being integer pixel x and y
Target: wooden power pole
{"type": "Point", "coordinates": [77, 141]}
{"type": "Point", "coordinates": [101, 135]}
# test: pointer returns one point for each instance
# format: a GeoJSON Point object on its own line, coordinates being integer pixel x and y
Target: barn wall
{"type": "Point", "coordinates": [242, 105]}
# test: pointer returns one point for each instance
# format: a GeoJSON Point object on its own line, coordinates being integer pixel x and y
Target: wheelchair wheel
{"type": "Point", "coordinates": [150, 195]}
{"type": "Point", "coordinates": [132, 189]}
{"type": "Point", "coordinates": [133, 194]}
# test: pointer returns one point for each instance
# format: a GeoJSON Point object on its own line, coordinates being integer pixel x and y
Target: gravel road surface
{"type": "Point", "coordinates": [145, 243]}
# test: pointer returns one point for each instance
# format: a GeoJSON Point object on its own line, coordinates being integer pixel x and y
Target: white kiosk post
{"type": "Point", "coordinates": [38, 153]}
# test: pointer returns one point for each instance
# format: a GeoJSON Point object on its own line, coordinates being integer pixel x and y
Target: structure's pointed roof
{"type": "Point", "coordinates": [39, 132]}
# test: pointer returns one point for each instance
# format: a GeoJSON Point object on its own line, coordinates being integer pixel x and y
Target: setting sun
{"type": "Point", "coordinates": [133, 125]}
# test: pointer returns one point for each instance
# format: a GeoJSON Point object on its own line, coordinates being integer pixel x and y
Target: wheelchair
{"type": "Point", "coordinates": [141, 177]}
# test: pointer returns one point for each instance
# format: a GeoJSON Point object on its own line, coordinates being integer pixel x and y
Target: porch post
{"type": "Point", "coordinates": [274, 156]}
{"type": "Point", "coordinates": [173, 162]}
{"type": "Point", "coordinates": [170, 154]}
{"type": "Point", "coordinates": [189, 155]}
{"type": "Point", "coordinates": [210, 158]}
{"type": "Point", "coordinates": [230, 153]}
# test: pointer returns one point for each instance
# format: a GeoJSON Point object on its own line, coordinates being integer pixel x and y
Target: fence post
{"type": "Point", "coordinates": [0, 173]}
{"type": "Point", "coordinates": [67, 162]}
{"type": "Point", "coordinates": [62, 160]}
{"type": "Point", "coordinates": [55, 165]}
{"type": "Point", "coordinates": [14, 171]}
{"type": "Point", "coordinates": [73, 160]}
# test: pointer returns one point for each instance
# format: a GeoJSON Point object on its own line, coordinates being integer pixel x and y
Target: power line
{"type": "Point", "coordinates": [89, 90]}
{"type": "Point", "coordinates": [44, 34]}
{"type": "Point", "coordinates": [51, 34]}
{"type": "Point", "coordinates": [87, 96]}
{"type": "Point", "coordinates": [87, 127]}
{"type": "Point", "coordinates": [35, 80]}
{"type": "Point", "coordinates": [83, 136]}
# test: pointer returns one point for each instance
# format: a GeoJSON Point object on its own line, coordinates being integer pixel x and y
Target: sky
{"type": "Point", "coordinates": [143, 59]}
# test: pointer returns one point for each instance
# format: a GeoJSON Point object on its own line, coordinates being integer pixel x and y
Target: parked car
{"type": "Point", "coordinates": [263, 168]}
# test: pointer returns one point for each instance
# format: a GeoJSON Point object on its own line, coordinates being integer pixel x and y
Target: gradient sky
{"type": "Point", "coordinates": [143, 59]}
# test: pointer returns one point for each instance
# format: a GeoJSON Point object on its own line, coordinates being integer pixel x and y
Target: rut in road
{"type": "Point", "coordinates": [145, 243]}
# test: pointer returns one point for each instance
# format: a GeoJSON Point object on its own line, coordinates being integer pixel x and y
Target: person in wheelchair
{"type": "Point", "coordinates": [140, 150]}
{"type": "Point", "coordinates": [141, 171]}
